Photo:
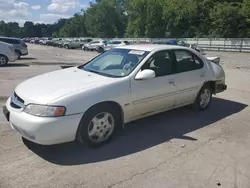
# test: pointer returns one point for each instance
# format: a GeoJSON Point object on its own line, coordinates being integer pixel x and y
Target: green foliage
{"type": "Point", "coordinates": [146, 18]}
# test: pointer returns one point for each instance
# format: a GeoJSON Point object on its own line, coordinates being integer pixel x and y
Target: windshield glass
{"type": "Point", "coordinates": [116, 62]}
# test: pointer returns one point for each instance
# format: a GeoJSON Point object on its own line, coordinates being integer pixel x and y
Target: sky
{"type": "Point", "coordinates": [39, 11]}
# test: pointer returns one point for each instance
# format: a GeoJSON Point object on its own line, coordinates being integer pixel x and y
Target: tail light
{"type": "Point", "coordinates": [24, 45]}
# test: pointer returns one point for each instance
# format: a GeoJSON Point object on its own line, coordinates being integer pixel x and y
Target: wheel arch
{"type": "Point", "coordinates": [4, 56]}
{"type": "Point", "coordinates": [211, 84]}
{"type": "Point", "coordinates": [108, 103]}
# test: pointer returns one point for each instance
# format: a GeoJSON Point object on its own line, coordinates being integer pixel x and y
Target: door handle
{"type": "Point", "coordinates": [202, 74]}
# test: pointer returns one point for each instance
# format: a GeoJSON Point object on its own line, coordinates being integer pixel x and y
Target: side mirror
{"type": "Point", "coordinates": [145, 75]}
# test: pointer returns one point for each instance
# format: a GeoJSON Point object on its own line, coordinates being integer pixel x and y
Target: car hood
{"type": "Point", "coordinates": [50, 86]}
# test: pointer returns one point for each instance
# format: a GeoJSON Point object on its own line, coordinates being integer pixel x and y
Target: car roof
{"type": "Point", "coordinates": [10, 38]}
{"type": "Point", "coordinates": [150, 47]}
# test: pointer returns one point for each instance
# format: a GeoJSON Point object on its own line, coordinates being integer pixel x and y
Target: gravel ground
{"type": "Point", "coordinates": [180, 148]}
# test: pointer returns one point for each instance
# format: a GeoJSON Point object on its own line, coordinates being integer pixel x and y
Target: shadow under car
{"type": "Point", "coordinates": [140, 135]}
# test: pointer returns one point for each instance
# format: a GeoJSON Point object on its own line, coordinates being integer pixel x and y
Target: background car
{"type": "Point", "coordinates": [7, 53]}
{"type": "Point", "coordinates": [93, 45]}
{"type": "Point", "coordinates": [76, 43]}
{"type": "Point", "coordinates": [110, 44]}
{"type": "Point", "coordinates": [21, 49]}
{"type": "Point", "coordinates": [58, 42]}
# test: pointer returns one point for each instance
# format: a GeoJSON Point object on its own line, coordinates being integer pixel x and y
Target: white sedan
{"type": "Point", "coordinates": [90, 103]}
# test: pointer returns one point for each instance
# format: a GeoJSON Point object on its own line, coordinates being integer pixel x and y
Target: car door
{"type": "Point", "coordinates": [92, 45]}
{"type": "Point", "coordinates": [156, 94]}
{"type": "Point", "coordinates": [75, 43]}
{"type": "Point", "coordinates": [189, 76]}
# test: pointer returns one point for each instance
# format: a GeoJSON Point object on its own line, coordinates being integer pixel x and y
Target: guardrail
{"type": "Point", "coordinates": [233, 44]}
{"type": "Point", "coordinates": [216, 44]}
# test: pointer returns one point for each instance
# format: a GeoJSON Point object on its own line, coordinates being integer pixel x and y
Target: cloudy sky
{"type": "Point", "coordinates": [38, 11]}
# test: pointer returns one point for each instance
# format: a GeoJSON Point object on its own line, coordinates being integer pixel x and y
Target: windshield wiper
{"type": "Point", "coordinates": [97, 72]}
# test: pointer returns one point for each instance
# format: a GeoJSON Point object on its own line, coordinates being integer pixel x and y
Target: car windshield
{"type": "Point", "coordinates": [115, 62]}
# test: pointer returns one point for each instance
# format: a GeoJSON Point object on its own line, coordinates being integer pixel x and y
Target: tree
{"type": "Point", "coordinates": [146, 18]}
{"type": "Point", "coordinates": [227, 21]}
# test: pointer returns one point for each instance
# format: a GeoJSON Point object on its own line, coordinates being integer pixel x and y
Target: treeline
{"type": "Point", "coordinates": [147, 18]}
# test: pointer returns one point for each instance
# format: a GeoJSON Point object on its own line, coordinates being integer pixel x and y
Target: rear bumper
{"type": "Point", "coordinates": [13, 57]}
{"type": "Point", "coordinates": [24, 51]}
{"type": "Point", "coordinates": [220, 88]}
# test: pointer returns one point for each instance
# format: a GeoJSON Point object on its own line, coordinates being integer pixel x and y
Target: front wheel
{"type": "Point", "coordinates": [3, 60]}
{"type": "Point", "coordinates": [98, 125]}
{"type": "Point", "coordinates": [204, 98]}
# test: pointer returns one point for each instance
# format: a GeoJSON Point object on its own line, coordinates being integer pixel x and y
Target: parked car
{"type": "Point", "coordinates": [197, 48]}
{"type": "Point", "coordinates": [142, 42]}
{"type": "Point", "coordinates": [52, 42]}
{"type": "Point", "coordinates": [20, 47]}
{"type": "Point", "coordinates": [26, 39]}
{"type": "Point", "coordinates": [76, 43]}
{"type": "Point", "coordinates": [48, 42]}
{"type": "Point", "coordinates": [92, 102]}
{"type": "Point", "coordinates": [7, 53]}
{"type": "Point", "coordinates": [93, 45]}
{"type": "Point", "coordinates": [59, 43]}
{"type": "Point", "coordinates": [109, 45]}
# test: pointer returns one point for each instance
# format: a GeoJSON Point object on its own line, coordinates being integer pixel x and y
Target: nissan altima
{"type": "Point", "coordinates": [92, 102]}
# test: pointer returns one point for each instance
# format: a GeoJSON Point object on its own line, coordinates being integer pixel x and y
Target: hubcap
{"type": "Point", "coordinates": [2, 60]}
{"type": "Point", "coordinates": [101, 127]}
{"type": "Point", "coordinates": [205, 98]}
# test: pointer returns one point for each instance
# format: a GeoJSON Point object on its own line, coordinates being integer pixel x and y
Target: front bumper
{"type": "Point", "coordinates": [42, 130]}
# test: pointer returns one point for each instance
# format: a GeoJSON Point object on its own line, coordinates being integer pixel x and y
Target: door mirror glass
{"type": "Point", "coordinates": [145, 74]}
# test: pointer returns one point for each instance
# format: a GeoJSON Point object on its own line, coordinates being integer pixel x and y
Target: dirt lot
{"type": "Point", "coordinates": [181, 148]}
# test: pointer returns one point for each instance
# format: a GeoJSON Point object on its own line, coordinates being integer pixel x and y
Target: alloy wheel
{"type": "Point", "coordinates": [101, 127]}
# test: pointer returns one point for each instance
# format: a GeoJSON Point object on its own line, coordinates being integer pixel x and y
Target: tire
{"type": "Point", "coordinates": [18, 54]}
{"type": "Point", "coordinates": [3, 60]}
{"type": "Point", "coordinates": [101, 128]}
{"type": "Point", "coordinates": [100, 50]}
{"type": "Point", "coordinates": [66, 46]}
{"type": "Point", "coordinates": [204, 98]}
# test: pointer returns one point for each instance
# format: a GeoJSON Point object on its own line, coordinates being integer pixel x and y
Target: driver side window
{"type": "Point", "coordinates": [161, 63]}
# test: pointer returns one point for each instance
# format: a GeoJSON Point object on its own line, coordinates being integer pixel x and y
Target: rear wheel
{"type": "Point", "coordinates": [204, 98]}
{"type": "Point", "coordinates": [100, 50]}
{"type": "Point", "coordinates": [66, 46]}
{"type": "Point", "coordinates": [3, 60]}
{"type": "Point", "coordinates": [98, 125]}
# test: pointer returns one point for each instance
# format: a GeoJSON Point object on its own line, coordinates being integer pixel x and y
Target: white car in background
{"type": "Point", "coordinates": [92, 46]}
{"type": "Point", "coordinates": [109, 45]}
{"type": "Point", "coordinates": [90, 103]}
{"type": "Point", "coordinates": [7, 53]}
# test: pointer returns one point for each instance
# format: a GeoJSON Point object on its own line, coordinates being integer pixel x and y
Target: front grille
{"type": "Point", "coordinates": [16, 101]}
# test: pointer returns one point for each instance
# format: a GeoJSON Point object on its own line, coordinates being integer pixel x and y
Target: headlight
{"type": "Point", "coordinates": [44, 110]}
